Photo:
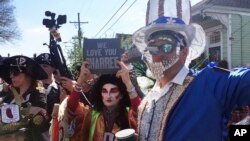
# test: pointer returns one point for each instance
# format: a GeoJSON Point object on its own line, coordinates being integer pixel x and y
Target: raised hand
{"type": "Point", "coordinates": [86, 78]}
{"type": "Point", "coordinates": [67, 83]}
{"type": "Point", "coordinates": [123, 73]}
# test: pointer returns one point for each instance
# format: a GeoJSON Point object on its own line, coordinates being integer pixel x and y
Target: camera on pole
{"type": "Point", "coordinates": [53, 24]}
{"type": "Point", "coordinates": [55, 49]}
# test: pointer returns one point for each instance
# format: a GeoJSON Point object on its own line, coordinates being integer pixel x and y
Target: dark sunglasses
{"type": "Point", "coordinates": [172, 40]}
{"type": "Point", "coordinates": [165, 48]}
{"type": "Point", "coordinates": [15, 72]}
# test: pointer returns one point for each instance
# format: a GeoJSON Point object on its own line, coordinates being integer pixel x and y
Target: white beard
{"type": "Point", "coordinates": [158, 68]}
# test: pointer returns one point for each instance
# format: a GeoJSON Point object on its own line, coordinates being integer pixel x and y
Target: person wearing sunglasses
{"type": "Point", "coordinates": [182, 106]}
{"type": "Point", "coordinates": [22, 73]}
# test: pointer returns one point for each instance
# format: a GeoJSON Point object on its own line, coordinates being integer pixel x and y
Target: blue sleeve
{"type": "Point", "coordinates": [228, 88]}
{"type": "Point", "coordinates": [237, 89]}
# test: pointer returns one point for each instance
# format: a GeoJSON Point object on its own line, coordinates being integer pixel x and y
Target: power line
{"type": "Point", "coordinates": [111, 18]}
{"type": "Point", "coordinates": [119, 17]}
{"type": "Point", "coordinates": [87, 9]}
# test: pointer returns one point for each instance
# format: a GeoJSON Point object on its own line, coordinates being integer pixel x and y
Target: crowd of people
{"type": "Point", "coordinates": [183, 105]}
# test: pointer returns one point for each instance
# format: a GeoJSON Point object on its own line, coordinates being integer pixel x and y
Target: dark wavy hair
{"type": "Point", "coordinates": [122, 119]}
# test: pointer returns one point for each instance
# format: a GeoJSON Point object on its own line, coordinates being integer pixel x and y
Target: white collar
{"type": "Point", "coordinates": [179, 78]}
{"type": "Point", "coordinates": [157, 92]}
{"type": "Point", "coordinates": [181, 75]}
{"type": "Point", "coordinates": [53, 84]}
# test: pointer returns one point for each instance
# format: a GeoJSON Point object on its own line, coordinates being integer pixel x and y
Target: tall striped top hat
{"type": "Point", "coordinates": [173, 15]}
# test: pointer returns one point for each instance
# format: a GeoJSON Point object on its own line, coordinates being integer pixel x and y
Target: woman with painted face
{"type": "Point", "coordinates": [115, 106]}
{"type": "Point", "coordinates": [24, 105]}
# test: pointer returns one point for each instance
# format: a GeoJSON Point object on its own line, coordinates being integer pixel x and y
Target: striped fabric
{"type": "Point", "coordinates": [168, 8]}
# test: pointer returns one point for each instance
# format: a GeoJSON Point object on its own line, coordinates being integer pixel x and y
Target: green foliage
{"type": "Point", "coordinates": [126, 40]}
{"type": "Point", "coordinates": [75, 56]}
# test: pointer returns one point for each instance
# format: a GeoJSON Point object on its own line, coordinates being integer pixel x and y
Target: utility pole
{"type": "Point", "coordinates": [79, 30]}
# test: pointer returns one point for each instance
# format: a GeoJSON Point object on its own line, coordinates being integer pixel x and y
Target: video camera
{"type": "Point", "coordinates": [55, 49]}
{"type": "Point", "coordinates": [53, 24]}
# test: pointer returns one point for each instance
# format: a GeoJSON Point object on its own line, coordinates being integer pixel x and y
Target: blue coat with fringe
{"type": "Point", "coordinates": [201, 113]}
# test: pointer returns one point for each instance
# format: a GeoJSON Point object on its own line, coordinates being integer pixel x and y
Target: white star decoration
{"type": "Point", "coordinates": [170, 20]}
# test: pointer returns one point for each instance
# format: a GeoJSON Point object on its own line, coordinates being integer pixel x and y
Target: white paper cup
{"type": "Point", "coordinates": [125, 135]}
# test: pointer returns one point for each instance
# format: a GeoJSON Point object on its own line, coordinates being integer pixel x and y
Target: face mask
{"type": "Point", "coordinates": [171, 45]}
{"type": "Point", "coordinates": [158, 68]}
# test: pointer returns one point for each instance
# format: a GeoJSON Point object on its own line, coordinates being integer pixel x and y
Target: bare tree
{"type": "Point", "coordinates": [8, 26]}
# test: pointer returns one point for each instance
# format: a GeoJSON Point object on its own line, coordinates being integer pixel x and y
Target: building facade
{"type": "Point", "coordinates": [227, 27]}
